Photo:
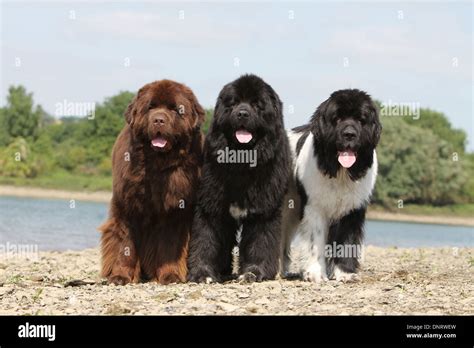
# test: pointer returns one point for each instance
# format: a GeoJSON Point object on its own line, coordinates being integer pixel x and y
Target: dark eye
{"type": "Point", "coordinates": [229, 102]}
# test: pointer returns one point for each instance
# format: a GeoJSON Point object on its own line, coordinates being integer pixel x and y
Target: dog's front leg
{"type": "Point", "coordinates": [260, 249]}
{"type": "Point", "coordinates": [120, 264]}
{"type": "Point", "coordinates": [313, 232]}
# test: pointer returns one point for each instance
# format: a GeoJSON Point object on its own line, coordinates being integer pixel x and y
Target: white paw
{"type": "Point", "coordinates": [315, 275]}
{"type": "Point", "coordinates": [247, 278]}
{"type": "Point", "coordinates": [345, 277]}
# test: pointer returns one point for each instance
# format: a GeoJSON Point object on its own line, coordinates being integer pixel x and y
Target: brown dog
{"type": "Point", "coordinates": [156, 166]}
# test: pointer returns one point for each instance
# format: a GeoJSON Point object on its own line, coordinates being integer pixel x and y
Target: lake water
{"type": "Point", "coordinates": [54, 225]}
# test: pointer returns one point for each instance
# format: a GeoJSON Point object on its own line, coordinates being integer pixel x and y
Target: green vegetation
{"type": "Point", "coordinates": [422, 162]}
{"type": "Point", "coordinates": [62, 180]}
{"type": "Point", "coordinates": [418, 167]}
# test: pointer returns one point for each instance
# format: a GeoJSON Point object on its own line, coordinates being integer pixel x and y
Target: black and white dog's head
{"type": "Point", "coordinates": [248, 115]}
{"type": "Point", "coordinates": [346, 129]}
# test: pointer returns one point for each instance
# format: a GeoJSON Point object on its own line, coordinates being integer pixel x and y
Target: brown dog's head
{"type": "Point", "coordinates": [164, 114]}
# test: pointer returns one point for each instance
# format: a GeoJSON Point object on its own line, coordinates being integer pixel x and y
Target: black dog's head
{"type": "Point", "coordinates": [248, 115]}
{"type": "Point", "coordinates": [347, 129]}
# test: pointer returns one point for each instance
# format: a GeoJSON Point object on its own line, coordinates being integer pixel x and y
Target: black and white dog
{"type": "Point", "coordinates": [335, 168]}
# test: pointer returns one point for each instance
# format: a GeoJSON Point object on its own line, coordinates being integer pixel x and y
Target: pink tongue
{"type": "Point", "coordinates": [159, 142]}
{"type": "Point", "coordinates": [243, 136]}
{"type": "Point", "coordinates": [346, 158]}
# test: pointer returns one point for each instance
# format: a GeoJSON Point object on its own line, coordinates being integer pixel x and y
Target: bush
{"type": "Point", "coordinates": [17, 160]}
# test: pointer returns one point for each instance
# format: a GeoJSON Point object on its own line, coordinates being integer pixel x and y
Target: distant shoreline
{"type": "Point", "coordinates": [421, 219]}
{"type": "Point", "coordinates": [35, 192]}
{"type": "Point", "coordinates": [104, 197]}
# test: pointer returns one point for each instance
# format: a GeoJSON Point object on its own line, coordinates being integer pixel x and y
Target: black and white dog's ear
{"type": "Point", "coordinates": [376, 125]}
{"type": "Point", "coordinates": [317, 120]}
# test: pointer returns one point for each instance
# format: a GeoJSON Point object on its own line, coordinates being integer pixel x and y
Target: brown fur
{"type": "Point", "coordinates": [146, 236]}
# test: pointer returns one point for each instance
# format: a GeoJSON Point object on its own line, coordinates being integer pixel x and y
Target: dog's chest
{"type": "Point", "coordinates": [335, 197]}
{"type": "Point", "coordinates": [237, 212]}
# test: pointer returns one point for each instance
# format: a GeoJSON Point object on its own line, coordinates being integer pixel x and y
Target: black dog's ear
{"type": "Point", "coordinates": [134, 107]}
{"type": "Point", "coordinates": [276, 102]}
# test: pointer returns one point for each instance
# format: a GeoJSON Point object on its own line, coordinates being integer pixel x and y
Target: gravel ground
{"type": "Point", "coordinates": [392, 281]}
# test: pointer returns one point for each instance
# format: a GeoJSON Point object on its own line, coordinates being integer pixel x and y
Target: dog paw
{"type": "Point", "coordinates": [345, 277]}
{"type": "Point", "coordinates": [119, 280]}
{"type": "Point", "coordinates": [315, 276]}
{"type": "Point", "coordinates": [247, 278]}
{"type": "Point", "coordinates": [201, 275]}
{"type": "Point", "coordinates": [169, 278]}
{"type": "Point", "coordinates": [256, 273]}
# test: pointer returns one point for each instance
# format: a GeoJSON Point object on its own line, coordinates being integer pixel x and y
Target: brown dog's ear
{"type": "Point", "coordinates": [197, 110]}
{"type": "Point", "coordinates": [130, 112]}
{"type": "Point", "coordinates": [133, 107]}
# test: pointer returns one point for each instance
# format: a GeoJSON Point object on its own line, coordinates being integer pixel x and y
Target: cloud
{"type": "Point", "coordinates": [192, 29]}
{"type": "Point", "coordinates": [409, 48]}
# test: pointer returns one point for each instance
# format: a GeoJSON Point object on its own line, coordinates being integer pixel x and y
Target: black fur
{"type": "Point", "coordinates": [346, 108]}
{"type": "Point", "coordinates": [305, 129]}
{"type": "Point", "coordinates": [349, 230]}
{"type": "Point", "coordinates": [303, 196]}
{"type": "Point", "coordinates": [259, 190]}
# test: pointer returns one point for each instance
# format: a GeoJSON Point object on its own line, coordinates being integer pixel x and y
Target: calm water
{"type": "Point", "coordinates": [53, 225]}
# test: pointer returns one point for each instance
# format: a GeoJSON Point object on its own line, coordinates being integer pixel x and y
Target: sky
{"type": "Point", "coordinates": [399, 52]}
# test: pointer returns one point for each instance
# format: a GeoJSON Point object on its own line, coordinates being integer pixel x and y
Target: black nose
{"type": "Point", "coordinates": [243, 114]}
{"type": "Point", "coordinates": [158, 120]}
{"type": "Point", "coordinates": [349, 133]}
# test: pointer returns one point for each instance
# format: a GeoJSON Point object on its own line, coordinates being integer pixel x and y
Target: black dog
{"type": "Point", "coordinates": [248, 122]}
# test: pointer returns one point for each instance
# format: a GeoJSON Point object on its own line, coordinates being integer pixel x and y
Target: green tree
{"type": "Point", "coordinates": [4, 135]}
{"type": "Point", "coordinates": [416, 166]}
{"type": "Point", "coordinates": [439, 124]}
{"type": "Point", "coordinates": [207, 120]}
{"type": "Point", "coordinates": [21, 116]}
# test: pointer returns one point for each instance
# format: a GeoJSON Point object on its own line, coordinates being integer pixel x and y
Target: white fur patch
{"type": "Point", "coordinates": [236, 212]}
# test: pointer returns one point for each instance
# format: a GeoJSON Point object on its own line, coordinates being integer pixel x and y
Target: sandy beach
{"type": "Point", "coordinates": [392, 281]}
{"type": "Point", "coordinates": [103, 196]}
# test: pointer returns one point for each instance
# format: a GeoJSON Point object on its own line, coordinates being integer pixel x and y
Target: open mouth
{"type": "Point", "coordinates": [243, 136]}
{"type": "Point", "coordinates": [159, 142]}
{"type": "Point", "coordinates": [347, 158]}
